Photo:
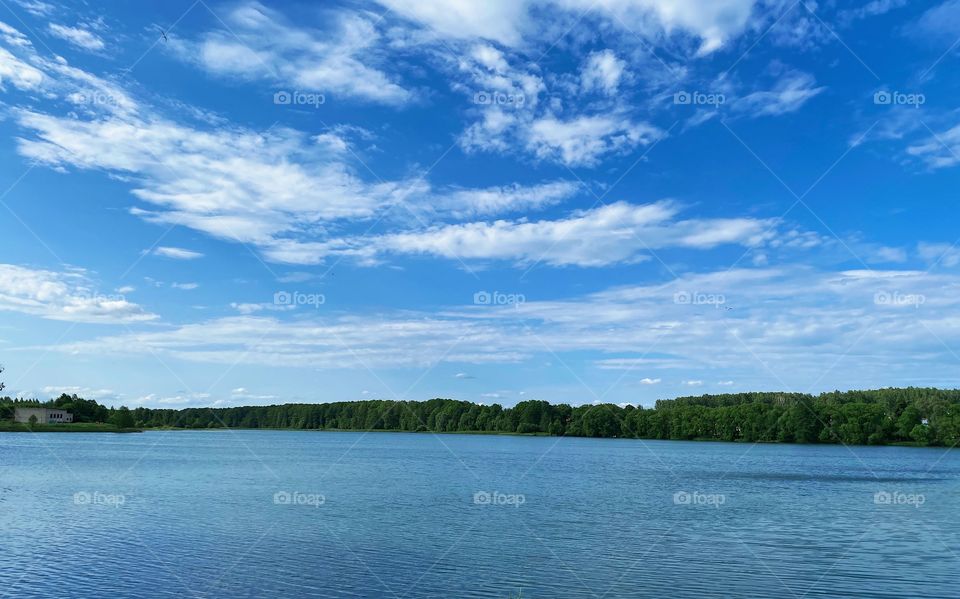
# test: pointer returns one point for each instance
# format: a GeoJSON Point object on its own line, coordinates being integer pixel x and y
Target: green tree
{"type": "Point", "coordinates": [601, 421]}
{"type": "Point", "coordinates": [122, 418]}
{"type": "Point", "coordinates": [920, 434]}
{"type": "Point", "coordinates": [908, 419]}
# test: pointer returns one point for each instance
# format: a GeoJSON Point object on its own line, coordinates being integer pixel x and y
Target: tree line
{"type": "Point", "coordinates": [923, 416]}
{"type": "Point", "coordinates": [83, 410]}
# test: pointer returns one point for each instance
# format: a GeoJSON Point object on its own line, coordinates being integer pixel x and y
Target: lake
{"type": "Point", "coordinates": [327, 514]}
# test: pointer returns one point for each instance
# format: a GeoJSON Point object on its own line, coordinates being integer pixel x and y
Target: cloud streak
{"type": "Point", "coordinates": [68, 296]}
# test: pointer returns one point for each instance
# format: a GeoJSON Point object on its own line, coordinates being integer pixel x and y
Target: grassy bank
{"type": "Point", "coordinates": [76, 427]}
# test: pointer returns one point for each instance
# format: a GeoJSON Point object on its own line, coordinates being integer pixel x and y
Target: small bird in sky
{"type": "Point", "coordinates": [163, 34]}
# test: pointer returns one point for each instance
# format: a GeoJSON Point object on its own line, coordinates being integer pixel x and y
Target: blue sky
{"type": "Point", "coordinates": [210, 203]}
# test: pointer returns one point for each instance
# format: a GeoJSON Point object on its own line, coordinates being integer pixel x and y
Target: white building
{"type": "Point", "coordinates": [44, 415]}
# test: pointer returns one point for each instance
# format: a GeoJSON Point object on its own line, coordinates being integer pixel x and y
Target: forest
{"type": "Point", "coordinates": [919, 416]}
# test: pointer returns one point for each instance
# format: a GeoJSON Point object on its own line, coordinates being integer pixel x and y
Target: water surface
{"type": "Point", "coordinates": [314, 514]}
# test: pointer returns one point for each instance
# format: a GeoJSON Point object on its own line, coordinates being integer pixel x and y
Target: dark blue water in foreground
{"type": "Point", "coordinates": [308, 514]}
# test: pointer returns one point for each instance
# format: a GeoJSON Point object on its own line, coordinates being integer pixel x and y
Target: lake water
{"type": "Point", "coordinates": [314, 514]}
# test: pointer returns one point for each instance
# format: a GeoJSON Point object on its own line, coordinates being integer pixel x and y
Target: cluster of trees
{"type": "Point", "coordinates": [83, 410]}
{"type": "Point", "coordinates": [911, 415]}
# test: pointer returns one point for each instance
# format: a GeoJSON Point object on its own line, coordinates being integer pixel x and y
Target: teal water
{"type": "Point", "coordinates": [311, 514]}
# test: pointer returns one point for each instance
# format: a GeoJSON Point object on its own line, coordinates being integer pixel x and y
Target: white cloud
{"type": "Point", "coordinates": [692, 383]}
{"type": "Point", "coordinates": [344, 342]}
{"type": "Point", "coordinates": [242, 394]}
{"type": "Point", "coordinates": [614, 233]}
{"type": "Point", "coordinates": [584, 140]}
{"type": "Point", "coordinates": [495, 20]}
{"type": "Point", "coordinates": [20, 74]}
{"type": "Point", "coordinates": [231, 183]}
{"type": "Point", "coordinates": [509, 117]}
{"type": "Point", "coordinates": [252, 308]}
{"type": "Point", "coordinates": [27, 70]}
{"type": "Point", "coordinates": [483, 71]}
{"type": "Point", "coordinates": [465, 203]}
{"type": "Point", "coordinates": [68, 296]}
{"type": "Point", "coordinates": [940, 150]}
{"type": "Point", "coordinates": [649, 381]}
{"type": "Point", "coordinates": [185, 286]}
{"type": "Point", "coordinates": [13, 70]}
{"type": "Point", "coordinates": [943, 254]}
{"type": "Point", "coordinates": [13, 37]}
{"type": "Point", "coordinates": [273, 190]}
{"type": "Point", "coordinates": [516, 22]}
{"type": "Point", "coordinates": [940, 22]}
{"type": "Point", "coordinates": [176, 253]}
{"type": "Point", "coordinates": [78, 36]}
{"type": "Point", "coordinates": [36, 7]}
{"type": "Point", "coordinates": [602, 71]}
{"type": "Point", "coordinates": [259, 43]}
{"type": "Point", "coordinates": [635, 363]}
{"type": "Point", "coordinates": [181, 400]}
{"type": "Point", "coordinates": [887, 254]}
{"type": "Point", "coordinates": [102, 395]}
{"type": "Point", "coordinates": [870, 9]}
{"type": "Point", "coordinates": [789, 94]}
{"type": "Point", "coordinates": [790, 327]}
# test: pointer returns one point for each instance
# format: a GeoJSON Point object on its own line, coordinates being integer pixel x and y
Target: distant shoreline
{"type": "Point", "coordinates": [908, 417]}
{"type": "Point", "coordinates": [77, 427]}
{"type": "Point", "coordinates": [508, 434]}
{"type": "Point", "coordinates": [107, 428]}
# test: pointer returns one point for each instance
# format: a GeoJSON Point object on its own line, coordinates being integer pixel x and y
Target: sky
{"type": "Point", "coordinates": [237, 203]}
